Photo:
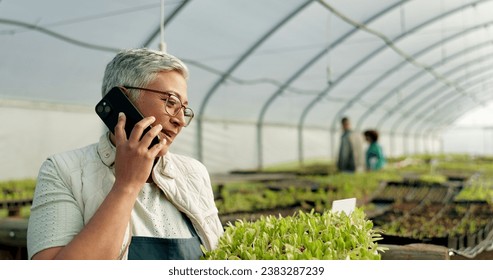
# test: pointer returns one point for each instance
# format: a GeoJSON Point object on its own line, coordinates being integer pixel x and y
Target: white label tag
{"type": "Point", "coordinates": [346, 205]}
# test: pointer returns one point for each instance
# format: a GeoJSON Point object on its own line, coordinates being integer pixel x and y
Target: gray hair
{"type": "Point", "coordinates": [138, 68]}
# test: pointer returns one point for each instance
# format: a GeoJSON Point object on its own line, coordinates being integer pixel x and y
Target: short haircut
{"type": "Point", "coordinates": [138, 68]}
{"type": "Point", "coordinates": [372, 134]}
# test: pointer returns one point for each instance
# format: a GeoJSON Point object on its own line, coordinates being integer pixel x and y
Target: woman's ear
{"type": "Point", "coordinates": [124, 90]}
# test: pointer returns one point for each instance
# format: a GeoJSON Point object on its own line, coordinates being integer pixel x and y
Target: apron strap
{"type": "Point", "coordinates": [190, 226]}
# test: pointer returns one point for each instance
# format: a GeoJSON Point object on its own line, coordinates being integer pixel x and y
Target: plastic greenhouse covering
{"type": "Point", "coordinates": [270, 80]}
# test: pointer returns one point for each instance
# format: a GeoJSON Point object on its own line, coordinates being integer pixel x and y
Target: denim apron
{"type": "Point", "coordinates": [154, 248]}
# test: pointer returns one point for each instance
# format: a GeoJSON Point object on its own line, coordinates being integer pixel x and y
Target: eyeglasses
{"type": "Point", "coordinates": [173, 104]}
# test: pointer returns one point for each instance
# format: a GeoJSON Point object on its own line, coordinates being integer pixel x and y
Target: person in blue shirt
{"type": "Point", "coordinates": [375, 159]}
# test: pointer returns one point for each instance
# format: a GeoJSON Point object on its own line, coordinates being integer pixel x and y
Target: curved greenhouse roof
{"type": "Point", "coordinates": [270, 80]}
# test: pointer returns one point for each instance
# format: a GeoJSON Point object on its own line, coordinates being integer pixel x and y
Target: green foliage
{"type": "Point", "coordinates": [303, 236]}
{"type": "Point", "coordinates": [17, 189]}
{"type": "Point", "coordinates": [433, 178]}
{"type": "Point", "coordinates": [452, 220]}
{"type": "Point", "coordinates": [247, 197]}
{"type": "Point", "coordinates": [254, 196]}
{"type": "Point", "coordinates": [356, 185]}
{"type": "Point", "coordinates": [477, 189]}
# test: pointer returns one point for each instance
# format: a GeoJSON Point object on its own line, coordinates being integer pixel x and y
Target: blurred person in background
{"type": "Point", "coordinates": [120, 198]}
{"type": "Point", "coordinates": [350, 158]}
{"type": "Point", "coordinates": [375, 159]}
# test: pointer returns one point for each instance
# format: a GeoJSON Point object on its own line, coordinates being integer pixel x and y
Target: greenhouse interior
{"type": "Point", "coordinates": [270, 83]}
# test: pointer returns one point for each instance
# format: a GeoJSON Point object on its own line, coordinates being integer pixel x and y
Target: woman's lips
{"type": "Point", "coordinates": [170, 135]}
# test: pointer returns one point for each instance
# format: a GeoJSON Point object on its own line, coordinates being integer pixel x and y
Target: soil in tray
{"type": "Point", "coordinates": [442, 229]}
{"type": "Point", "coordinates": [437, 194]}
{"type": "Point", "coordinates": [394, 212]}
{"type": "Point", "coordinates": [408, 194]}
{"type": "Point", "coordinates": [452, 242]}
{"type": "Point", "coordinates": [387, 217]}
{"type": "Point", "coordinates": [393, 193]}
{"type": "Point", "coordinates": [398, 240]}
{"type": "Point", "coordinates": [405, 206]}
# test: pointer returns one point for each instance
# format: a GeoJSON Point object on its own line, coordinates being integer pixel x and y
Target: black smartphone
{"type": "Point", "coordinates": [114, 102]}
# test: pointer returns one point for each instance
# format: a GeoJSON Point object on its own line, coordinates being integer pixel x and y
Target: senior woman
{"type": "Point", "coordinates": [120, 198]}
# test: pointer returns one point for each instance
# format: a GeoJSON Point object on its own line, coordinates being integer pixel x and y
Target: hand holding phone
{"type": "Point", "coordinates": [114, 102]}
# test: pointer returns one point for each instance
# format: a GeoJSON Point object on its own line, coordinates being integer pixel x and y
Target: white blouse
{"type": "Point", "coordinates": [154, 216]}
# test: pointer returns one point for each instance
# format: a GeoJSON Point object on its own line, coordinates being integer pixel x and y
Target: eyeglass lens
{"type": "Point", "coordinates": [173, 107]}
